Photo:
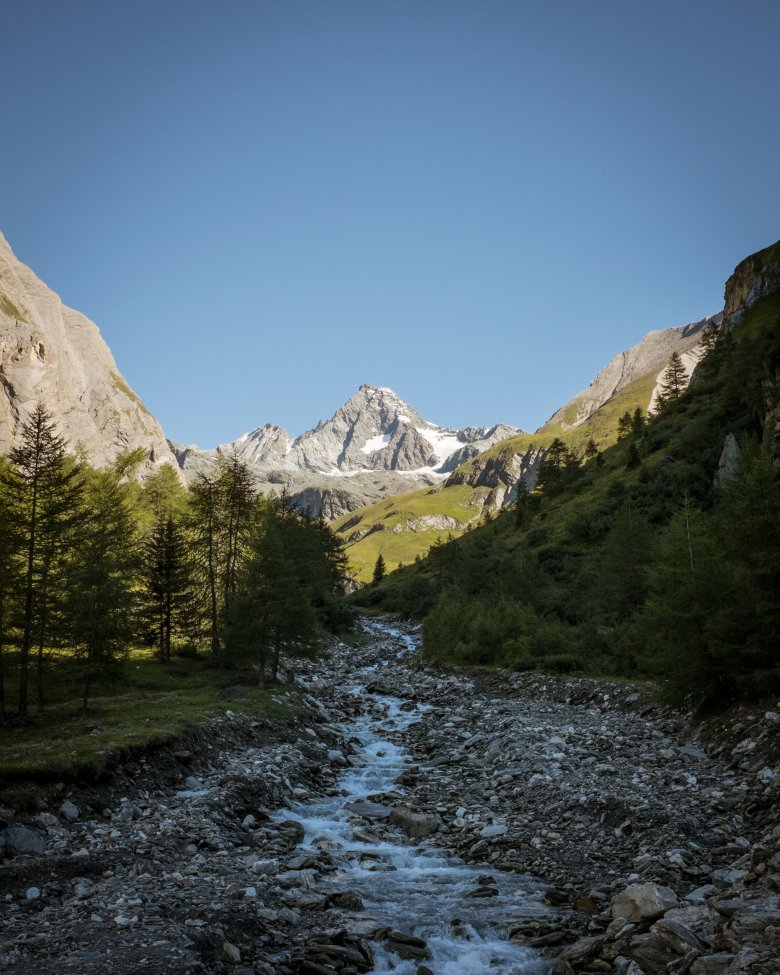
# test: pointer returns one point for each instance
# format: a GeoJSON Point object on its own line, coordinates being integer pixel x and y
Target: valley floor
{"type": "Point", "coordinates": [416, 820]}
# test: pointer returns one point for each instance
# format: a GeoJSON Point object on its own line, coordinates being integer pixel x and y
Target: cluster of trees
{"type": "Point", "coordinates": [642, 563]}
{"type": "Point", "coordinates": [93, 562]}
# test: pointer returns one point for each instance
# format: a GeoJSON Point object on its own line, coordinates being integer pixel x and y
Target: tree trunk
{"type": "Point", "coordinates": [168, 626]}
{"type": "Point", "coordinates": [42, 637]}
{"type": "Point", "coordinates": [87, 681]}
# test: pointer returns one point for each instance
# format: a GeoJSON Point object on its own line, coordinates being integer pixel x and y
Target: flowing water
{"type": "Point", "coordinates": [408, 886]}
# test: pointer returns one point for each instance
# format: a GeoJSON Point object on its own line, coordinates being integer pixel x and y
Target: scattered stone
{"type": "Point", "coordinates": [643, 902]}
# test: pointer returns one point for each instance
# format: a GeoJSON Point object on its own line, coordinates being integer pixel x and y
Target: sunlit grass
{"type": "Point", "coordinates": [146, 702]}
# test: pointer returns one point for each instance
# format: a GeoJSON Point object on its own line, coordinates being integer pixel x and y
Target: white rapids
{"type": "Point", "coordinates": [411, 887]}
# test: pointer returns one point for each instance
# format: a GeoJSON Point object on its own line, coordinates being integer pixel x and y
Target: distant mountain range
{"type": "Point", "coordinates": [375, 446]}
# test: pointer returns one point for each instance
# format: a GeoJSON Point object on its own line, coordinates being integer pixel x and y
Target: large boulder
{"type": "Point", "coordinates": [21, 840]}
{"type": "Point", "coordinates": [643, 902]}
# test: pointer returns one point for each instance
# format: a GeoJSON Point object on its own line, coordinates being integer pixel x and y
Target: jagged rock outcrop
{"type": "Point", "coordinates": [651, 355]}
{"type": "Point", "coordinates": [758, 276]}
{"type": "Point", "coordinates": [755, 277]}
{"type": "Point", "coordinates": [52, 353]}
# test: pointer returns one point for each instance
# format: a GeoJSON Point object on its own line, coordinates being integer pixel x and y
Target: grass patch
{"type": "Point", "coordinates": [10, 309]}
{"type": "Point", "coordinates": [122, 386]}
{"type": "Point", "coordinates": [399, 543]}
{"type": "Point", "coordinates": [148, 703]}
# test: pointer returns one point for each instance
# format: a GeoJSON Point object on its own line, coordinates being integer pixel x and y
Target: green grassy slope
{"type": "Point", "coordinates": [638, 565]}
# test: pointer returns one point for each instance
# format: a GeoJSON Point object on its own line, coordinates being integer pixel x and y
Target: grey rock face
{"type": "Point", "coordinates": [651, 355]}
{"type": "Point", "coordinates": [52, 353]}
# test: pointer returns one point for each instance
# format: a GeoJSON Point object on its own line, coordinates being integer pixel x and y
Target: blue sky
{"type": "Point", "coordinates": [265, 204]}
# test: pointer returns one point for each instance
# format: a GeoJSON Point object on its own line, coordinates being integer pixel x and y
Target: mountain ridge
{"type": "Point", "coordinates": [52, 353]}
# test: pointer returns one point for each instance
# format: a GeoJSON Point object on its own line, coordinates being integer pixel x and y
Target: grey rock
{"type": "Point", "coordinates": [21, 840]}
{"type": "Point", "coordinates": [69, 811]}
{"type": "Point", "coordinates": [712, 964]}
{"type": "Point", "coordinates": [416, 825]}
{"type": "Point", "coordinates": [643, 902]}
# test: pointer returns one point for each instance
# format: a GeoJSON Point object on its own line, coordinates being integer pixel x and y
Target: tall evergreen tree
{"type": "Point", "coordinates": [674, 380]}
{"type": "Point", "coordinates": [220, 520]}
{"type": "Point", "coordinates": [380, 570]}
{"type": "Point", "coordinates": [45, 493]}
{"type": "Point", "coordinates": [205, 534]}
{"type": "Point", "coordinates": [103, 574]}
{"type": "Point", "coordinates": [167, 590]}
{"type": "Point", "coordinates": [274, 610]}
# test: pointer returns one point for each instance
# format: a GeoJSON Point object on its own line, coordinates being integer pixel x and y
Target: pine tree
{"type": "Point", "coordinates": [167, 590]}
{"type": "Point", "coordinates": [205, 535]}
{"type": "Point", "coordinates": [591, 450]}
{"type": "Point", "coordinates": [624, 425]}
{"type": "Point", "coordinates": [237, 493]}
{"type": "Point", "coordinates": [673, 382]}
{"type": "Point", "coordinates": [45, 494]}
{"type": "Point", "coordinates": [380, 570]}
{"type": "Point", "coordinates": [637, 422]}
{"type": "Point", "coordinates": [274, 609]}
{"type": "Point", "coordinates": [102, 575]}
{"type": "Point", "coordinates": [709, 338]}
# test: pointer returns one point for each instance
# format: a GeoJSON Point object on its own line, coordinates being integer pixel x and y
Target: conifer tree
{"type": "Point", "coordinates": [591, 450]}
{"type": "Point", "coordinates": [637, 422]}
{"type": "Point", "coordinates": [674, 380]}
{"type": "Point", "coordinates": [205, 519]}
{"type": "Point", "coordinates": [103, 571]}
{"type": "Point", "coordinates": [167, 590]}
{"type": "Point", "coordinates": [45, 499]}
{"type": "Point", "coordinates": [624, 425]}
{"type": "Point", "coordinates": [380, 570]}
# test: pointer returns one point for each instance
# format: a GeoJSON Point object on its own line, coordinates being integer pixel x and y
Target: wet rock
{"type": "Point", "coordinates": [416, 825]}
{"type": "Point", "coordinates": [583, 950]}
{"type": "Point", "coordinates": [406, 946]}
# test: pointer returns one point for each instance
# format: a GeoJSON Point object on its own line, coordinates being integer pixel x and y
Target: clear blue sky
{"type": "Point", "coordinates": [265, 204]}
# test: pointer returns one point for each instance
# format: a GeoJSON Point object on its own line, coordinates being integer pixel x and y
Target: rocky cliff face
{"type": "Point", "coordinates": [51, 353]}
{"type": "Point", "coordinates": [651, 355]}
{"type": "Point", "coordinates": [755, 277]}
{"type": "Point", "coordinates": [758, 276]}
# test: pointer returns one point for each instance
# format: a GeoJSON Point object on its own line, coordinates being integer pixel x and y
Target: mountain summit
{"type": "Point", "coordinates": [375, 430]}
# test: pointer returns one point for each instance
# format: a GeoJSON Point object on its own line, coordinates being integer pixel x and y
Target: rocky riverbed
{"type": "Point", "coordinates": [414, 820]}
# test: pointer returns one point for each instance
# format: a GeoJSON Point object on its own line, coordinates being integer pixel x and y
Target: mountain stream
{"type": "Point", "coordinates": [461, 912]}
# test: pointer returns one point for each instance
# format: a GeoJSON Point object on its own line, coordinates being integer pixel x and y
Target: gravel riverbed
{"type": "Point", "coordinates": [414, 820]}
